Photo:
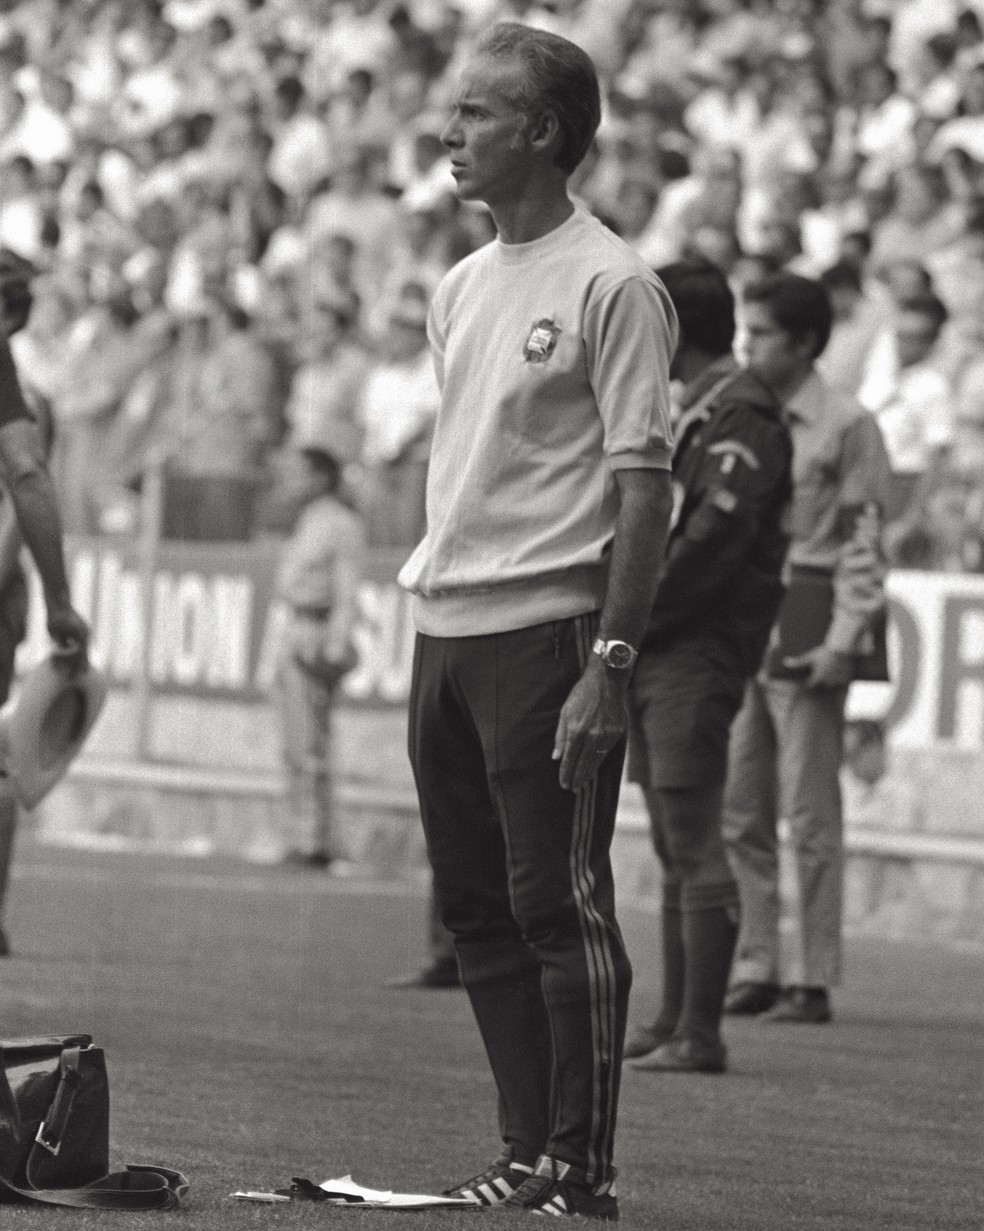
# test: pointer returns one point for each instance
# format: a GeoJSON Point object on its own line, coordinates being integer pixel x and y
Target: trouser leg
{"type": "Point", "coordinates": [8, 833]}
{"type": "Point", "coordinates": [467, 851]}
{"type": "Point", "coordinates": [811, 722]}
{"type": "Point", "coordinates": [523, 876]}
{"type": "Point", "coordinates": [749, 827]}
{"type": "Point", "coordinates": [440, 940]}
{"type": "Point", "coordinates": [305, 712]}
{"type": "Point", "coordinates": [693, 854]}
{"type": "Point", "coordinates": [671, 923]}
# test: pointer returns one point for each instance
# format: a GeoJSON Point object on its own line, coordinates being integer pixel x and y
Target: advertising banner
{"type": "Point", "coordinates": [202, 620]}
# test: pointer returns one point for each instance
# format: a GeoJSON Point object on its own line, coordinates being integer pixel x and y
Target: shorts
{"type": "Point", "coordinates": [682, 702]}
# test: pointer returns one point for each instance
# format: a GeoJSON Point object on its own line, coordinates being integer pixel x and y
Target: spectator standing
{"type": "Point", "coordinates": [318, 582]}
{"type": "Point", "coordinates": [718, 595]}
{"type": "Point", "coordinates": [106, 351]}
{"type": "Point", "coordinates": [355, 205]}
{"type": "Point", "coordinates": [859, 318]}
{"type": "Point", "coordinates": [301, 155]}
{"type": "Point", "coordinates": [28, 513]}
{"type": "Point", "coordinates": [912, 402]}
{"type": "Point", "coordinates": [547, 502]}
{"type": "Point", "coordinates": [397, 410]}
{"type": "Point", "coordinates": [786, 742]}
{"type": "Point", "coordinates": [224, 396]}
{"type": "Point", "coordinates": [322, 406]}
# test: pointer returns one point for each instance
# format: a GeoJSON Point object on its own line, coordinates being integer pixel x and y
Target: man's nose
{"type": "Point", "coordinates": [451, 134]}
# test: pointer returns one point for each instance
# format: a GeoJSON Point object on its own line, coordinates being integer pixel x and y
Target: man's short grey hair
{"type": "Point", "coordinates": [558, 77]}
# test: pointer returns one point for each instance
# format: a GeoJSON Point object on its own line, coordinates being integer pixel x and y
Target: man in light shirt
{"type": "Point", "coordinates": [548, 501]}
{"type": "Point", "coordinates": [912, 403]}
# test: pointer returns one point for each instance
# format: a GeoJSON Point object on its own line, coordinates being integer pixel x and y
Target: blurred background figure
{"type": "Point", "coordinates": [28, 514]}
{"type": "Point", "coordinates": [318, 581]}
{"type": "Point", "coordinates": [397, 410]}
{"type": "Point", "coordinates": [195, 180]}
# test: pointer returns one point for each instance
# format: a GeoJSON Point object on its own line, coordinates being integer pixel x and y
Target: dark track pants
{"type": "Point", "coordinates": [523, 879]}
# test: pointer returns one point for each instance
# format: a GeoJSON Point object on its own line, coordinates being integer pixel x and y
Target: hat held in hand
{"type": "Point", "coordinates": [54, 711]}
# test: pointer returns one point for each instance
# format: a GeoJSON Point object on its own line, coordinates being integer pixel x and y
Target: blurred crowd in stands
{"type": "Point", "coordinates": [240, 208]}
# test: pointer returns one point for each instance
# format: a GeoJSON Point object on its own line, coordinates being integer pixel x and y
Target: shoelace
{"type": "Point", "coordinates": [531, 1190]}
{"type": "Point", "coordinates": [485, 1177]}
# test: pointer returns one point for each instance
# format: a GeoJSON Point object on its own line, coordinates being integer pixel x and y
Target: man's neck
{"type": "Point", "coordinates": [531, 217]}
{"type": "Point", "coordinates": [787, 389]}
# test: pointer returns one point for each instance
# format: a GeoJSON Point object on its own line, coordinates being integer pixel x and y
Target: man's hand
{"type": "Point", "coordinates": [591, 723]}
{"type": "Point", "coordinates": [70, 634]}
{"type": "Point", "coordinates": [825, 668]}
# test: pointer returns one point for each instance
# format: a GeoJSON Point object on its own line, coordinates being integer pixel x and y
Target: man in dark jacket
{"type": "Point", "coordinates": [718, 595]}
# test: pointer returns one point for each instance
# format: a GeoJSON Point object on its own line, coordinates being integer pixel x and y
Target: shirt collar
{"type": "Point", "coordinates": [806, 404]}
{"type": "Point", "coordinates": [706, 381]}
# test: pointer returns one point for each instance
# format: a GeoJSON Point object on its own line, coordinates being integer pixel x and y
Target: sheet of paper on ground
{"type": "Point", "coordinates": [345, 1191]}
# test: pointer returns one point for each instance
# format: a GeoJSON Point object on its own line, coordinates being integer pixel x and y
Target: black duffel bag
{"type": "Point", "coordinates": [54, 1131]}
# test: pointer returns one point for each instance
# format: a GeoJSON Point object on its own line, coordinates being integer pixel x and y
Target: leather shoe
{"type": "Point", "coordinates": [436, 976]}
{"type": "Point", "coordinates": [748, 999]}
{"type": "Point", "coordinates": [684, 1056]}
{"type": "Point", "coordinates": [645, 1039]}
{"type": "Point", "coordinates": [810, 1005]}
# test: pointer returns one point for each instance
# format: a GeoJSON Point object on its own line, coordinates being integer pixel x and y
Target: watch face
{"type": "Point", "coordinates": [619, 655]}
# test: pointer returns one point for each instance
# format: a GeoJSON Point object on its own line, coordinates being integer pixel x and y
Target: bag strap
{"type": "Point", "coordinates": [52, 1128]}
{"type": "Point", "coordinates": [136, 1188]}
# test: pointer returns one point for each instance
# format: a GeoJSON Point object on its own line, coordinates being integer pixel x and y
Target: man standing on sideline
{"type": "Point", "coordinates": [28, 513]}
{"type": "Point", "coordinates": [548, 500]}
{"type": "Point", "coordinates": [787, 741]}
{"type": "Point", "coordinates": [717, 599]}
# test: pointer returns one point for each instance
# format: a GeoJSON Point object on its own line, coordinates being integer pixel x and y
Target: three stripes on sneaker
{"type": "Point", "coordinates": [494, 1185]}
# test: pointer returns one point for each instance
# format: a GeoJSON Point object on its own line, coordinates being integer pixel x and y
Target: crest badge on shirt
{"type": "Point", "coordinates": [542, 342]}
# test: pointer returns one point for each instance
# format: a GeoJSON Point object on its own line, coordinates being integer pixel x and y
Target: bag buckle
{"type": "Point", "coordinates": [52, 1146]}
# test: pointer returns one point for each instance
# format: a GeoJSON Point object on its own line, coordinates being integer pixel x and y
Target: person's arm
{"type": "Point", "coordinates": [859, 576]}
{"type": "Point", "coordinates": [593, 718]}
{"type": "Point", "coordinates": [35, 504]}
{"type": "Point", "coordinates": [347, 577]}
{"type": "Point", "coordinates": [744, 482]}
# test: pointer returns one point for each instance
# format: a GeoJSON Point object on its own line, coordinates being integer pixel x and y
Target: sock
{"type": "Point", "coordinates": [709, 938]}
{"type": "Point", "coordinates": [673, 960]}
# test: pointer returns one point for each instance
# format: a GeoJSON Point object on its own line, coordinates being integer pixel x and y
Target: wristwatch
{"type": "Point", "coordinates": [618, 655]}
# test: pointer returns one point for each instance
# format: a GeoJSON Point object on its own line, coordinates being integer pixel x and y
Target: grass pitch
{"type": "Point", "coordinates": [250, 1038]}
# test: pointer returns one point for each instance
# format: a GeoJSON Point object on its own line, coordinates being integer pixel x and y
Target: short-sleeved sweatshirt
{"type": "Point", "coordinates": [553, 360]}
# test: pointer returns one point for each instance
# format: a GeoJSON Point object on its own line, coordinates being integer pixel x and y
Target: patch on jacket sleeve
{"type": "Point", "coordinates": [731, 450]}
{"type": "Point", "coordinates": [724, 500]}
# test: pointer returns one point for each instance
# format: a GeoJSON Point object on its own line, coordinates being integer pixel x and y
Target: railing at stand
{"type": "Point", "coordinates": [151, 522]}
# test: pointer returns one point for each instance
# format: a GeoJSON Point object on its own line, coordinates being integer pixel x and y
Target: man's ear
{"type": "Point", "coordinates": [808, 346]}
{"type": "Point", "coordinates": [544, 131]}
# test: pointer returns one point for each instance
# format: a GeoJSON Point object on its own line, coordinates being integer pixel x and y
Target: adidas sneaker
{"type": "Point", "coordinates": [558, 1188]}
{"type": "Point", "coordinates": [494, 1186]}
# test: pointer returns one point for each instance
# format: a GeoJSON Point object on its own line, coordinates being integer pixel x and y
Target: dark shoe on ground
{"type": "Point", "coordinates": [810, 1005]}
{"type": "Point", "coordinates": [437, 975]}
{"type": "Point", "coordinates": [749, 999]}
{"type": "Point", "coordinates": [684, 1056]}
{"type": "Point", "coordinates": [557, 1188]}
{"type": "Point", "coordinates": [4, 944]}
{"type": "Point", "coordinates": [492, 1187]}
{"type": "Point", "coordinates": [307, 861]}
{"type": "Point", "coordinates": [645, 1039]}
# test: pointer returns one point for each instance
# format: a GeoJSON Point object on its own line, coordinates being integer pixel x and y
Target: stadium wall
{"type": "Point", "coordinates": [185, 756]}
